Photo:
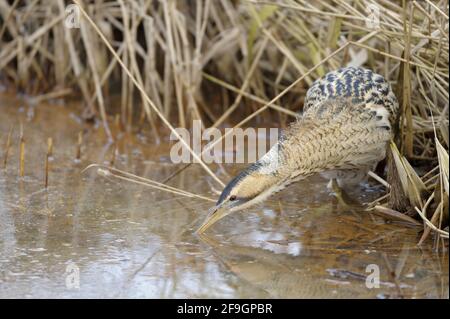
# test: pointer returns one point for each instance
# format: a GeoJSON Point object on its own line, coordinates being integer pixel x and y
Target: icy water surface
{"type": "Point", "coordinates": [125, 240]}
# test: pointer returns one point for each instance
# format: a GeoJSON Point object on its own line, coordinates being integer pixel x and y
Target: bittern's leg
{"type": "Point", "coordinates": [341, 195]}
{"type": "Point", "coordinates": [346, 178]}
{"type": "Point", "coordinates": [351, 178]}
{"type": "Point", "coordinates": [342, 181]}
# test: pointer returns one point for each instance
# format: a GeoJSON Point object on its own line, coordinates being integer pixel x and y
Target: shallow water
{"type": "Point", "coordinates": [126, 240]}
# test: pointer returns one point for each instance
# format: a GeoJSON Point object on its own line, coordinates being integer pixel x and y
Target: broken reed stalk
{"type": "Point", "coordinates": [113, 155]}
{"type": "Point", "coordinates": [79, 144]}
{"type": "Point", "coordinates": [7, 147]}
{"type": "Point", "coordinates": [47, 159]}
{"type": "Point", "coordinates": [21, 153]}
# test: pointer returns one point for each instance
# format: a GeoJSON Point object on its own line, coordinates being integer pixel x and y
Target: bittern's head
{"type": "Point", "coordinates": [251, 186]}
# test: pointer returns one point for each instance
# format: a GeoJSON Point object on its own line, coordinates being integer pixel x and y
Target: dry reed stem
{"type": "Point", "coordinates": [7, 147]}
{"type": "Point", "coordinates": [87, 38]}
{"type": "Point", "coordinates": [397, 215]}
{"type": "Point", "coordinates": [114, 172]}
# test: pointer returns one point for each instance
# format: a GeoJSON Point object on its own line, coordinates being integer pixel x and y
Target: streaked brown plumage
{"type": "Point", "coordinates": [343, 133]}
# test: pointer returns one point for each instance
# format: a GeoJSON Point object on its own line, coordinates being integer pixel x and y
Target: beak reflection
{"type": "Point", "coordinates": [215, 215]}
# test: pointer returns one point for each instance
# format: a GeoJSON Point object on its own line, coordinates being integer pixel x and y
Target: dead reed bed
{"type": "Point", "coordinates": [172, 62]}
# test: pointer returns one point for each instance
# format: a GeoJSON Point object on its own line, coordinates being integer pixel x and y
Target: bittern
{"type": "Point", "coordinates": [347, 122]}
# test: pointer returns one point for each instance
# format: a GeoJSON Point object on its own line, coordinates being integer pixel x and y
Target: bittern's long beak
{"type": "Point", "coordinates": [216, 214]}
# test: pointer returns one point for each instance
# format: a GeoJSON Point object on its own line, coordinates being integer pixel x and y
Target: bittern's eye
{"type": "Point", "coordinates": [233, 197]}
